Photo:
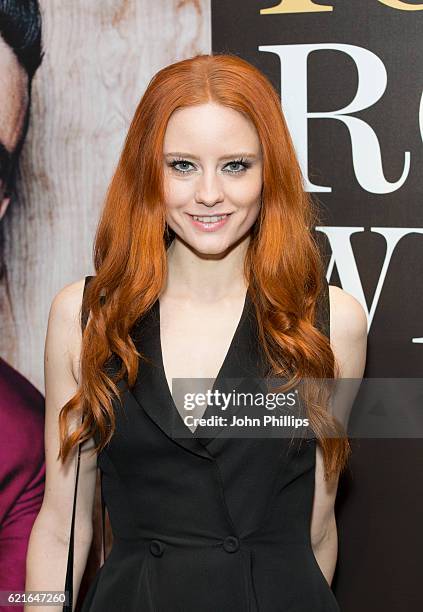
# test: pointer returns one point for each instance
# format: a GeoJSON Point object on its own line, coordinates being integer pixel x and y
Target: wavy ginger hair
{"type": "Point", "coordinates": [282, 266]}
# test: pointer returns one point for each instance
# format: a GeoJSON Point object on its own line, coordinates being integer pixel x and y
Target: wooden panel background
{"type": "Point", "coordinates": [99, 57]}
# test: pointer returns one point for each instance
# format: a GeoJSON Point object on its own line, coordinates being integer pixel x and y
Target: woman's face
{"type": "Point", "coordinates": [212, 170]}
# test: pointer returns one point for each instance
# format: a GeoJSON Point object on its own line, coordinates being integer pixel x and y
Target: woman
{"type": "Point", "coordinates": [206, 268]}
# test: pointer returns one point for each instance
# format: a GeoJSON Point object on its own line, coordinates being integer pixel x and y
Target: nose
{"type": "Point", "coordinates": [209, 192]}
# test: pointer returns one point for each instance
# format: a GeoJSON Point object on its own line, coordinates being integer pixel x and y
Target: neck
{"type": "Point", "coordinates": [205, 277]}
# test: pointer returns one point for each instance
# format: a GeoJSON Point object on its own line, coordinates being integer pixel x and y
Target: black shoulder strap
{"type": "Point", "coordinates": [84, 311]}
{"type": "Point", "coordinates": [69, 571]}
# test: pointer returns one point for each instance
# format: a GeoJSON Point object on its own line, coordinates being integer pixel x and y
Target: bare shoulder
{"type": "Point", "coordinates": [347, 315]}
{"type": "Point", "coordinates": [348, 331]}
{"type": "Point", "coordinates": [64, 321]}
{"type": "Point", "coordinates": [68, 300]}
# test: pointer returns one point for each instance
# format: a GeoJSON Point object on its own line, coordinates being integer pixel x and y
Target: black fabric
{"type": "Point", "coordinates": [69, 569]}
{"type": "Point", "coordinates": [214, 524]}
{"type": "Point", "coordinates": [84, 311]}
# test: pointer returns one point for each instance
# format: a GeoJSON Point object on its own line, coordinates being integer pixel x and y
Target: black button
{"type": "Point", "coordinates": [157, 548]}
{"type": "Point", "coordinates": [231, 544]}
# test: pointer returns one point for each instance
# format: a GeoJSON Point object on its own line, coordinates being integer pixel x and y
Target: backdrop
{"type": "Point", "coordinates": [98, 59]}
{"type": "Point", "coordinates": [350, 80]}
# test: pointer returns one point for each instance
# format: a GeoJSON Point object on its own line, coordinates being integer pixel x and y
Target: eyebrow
{"type": "Point", "coordinates": [232, 156]}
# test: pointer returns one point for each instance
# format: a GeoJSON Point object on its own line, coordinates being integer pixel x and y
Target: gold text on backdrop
{"type": "Point", "coordinates": [308, 6]}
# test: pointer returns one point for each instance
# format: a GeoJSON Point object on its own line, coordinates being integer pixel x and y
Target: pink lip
{"type": "Point", "coordinates": [210, 227]}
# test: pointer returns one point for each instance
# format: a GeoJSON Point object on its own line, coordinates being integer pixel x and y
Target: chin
{"type": "Point", "coordinates": [210, 247]}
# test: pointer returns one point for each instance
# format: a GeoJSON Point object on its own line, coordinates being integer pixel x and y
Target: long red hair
{"type": "Point", "coordinates": [283, 265]}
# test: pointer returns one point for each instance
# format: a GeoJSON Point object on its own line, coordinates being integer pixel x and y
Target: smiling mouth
{"type": "Point", "coordinates": [209, 218]}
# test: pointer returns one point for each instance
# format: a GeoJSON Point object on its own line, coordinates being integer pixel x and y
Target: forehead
{"type": "Point", "coordinates": [13, 97]}
{"type": "Point", "coordinates": [213, 128]}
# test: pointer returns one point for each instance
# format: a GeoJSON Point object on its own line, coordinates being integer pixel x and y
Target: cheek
{"type": "Point", "coordinates": [247, 199]}
{"type": "Point", "coordinates": [249, 207]}
{"type": "Point", "coordinates": [253, 212]}
{"type": "Point", "coordinates": [177, 194]}
{"type": "Point", "coordinates": [246, 190]}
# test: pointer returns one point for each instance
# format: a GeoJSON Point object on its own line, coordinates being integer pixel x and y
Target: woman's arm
{"type": "Point", "coordinates": [47, 553]}
{"type": "Point", "coordinates": [348, 338]}
{"type": "Point", "coordinates": [324, 537]}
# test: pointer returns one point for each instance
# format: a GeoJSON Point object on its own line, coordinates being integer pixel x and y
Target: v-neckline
{"type": "Point", "coordinates": [162, 371]}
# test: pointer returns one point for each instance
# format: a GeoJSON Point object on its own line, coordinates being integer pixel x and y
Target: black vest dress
{"type": "Point", "coordinates": [210, 523]}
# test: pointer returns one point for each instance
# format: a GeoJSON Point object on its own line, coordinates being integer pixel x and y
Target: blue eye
{"type": "Point", "coordinates": [237, 162]}
{"type": "Point", "coordinates": [175, 163]}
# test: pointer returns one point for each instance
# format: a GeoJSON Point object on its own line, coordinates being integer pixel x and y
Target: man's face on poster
{"type": "Point", "coordinates": [13, 107]}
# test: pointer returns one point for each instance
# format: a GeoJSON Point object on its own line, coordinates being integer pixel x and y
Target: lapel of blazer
{"type": "Point", "coordinates": [240, 373]}
{"type": "Point", "coordinates": [241, 365]}
{"type": "Point", "coordinates": [150, 393]}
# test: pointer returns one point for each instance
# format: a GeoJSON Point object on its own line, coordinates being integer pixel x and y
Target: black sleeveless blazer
{"type": "Point", "coordinates": [205, 522]}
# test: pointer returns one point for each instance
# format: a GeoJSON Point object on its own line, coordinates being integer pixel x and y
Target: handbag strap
{"type": "Point", "coordinates": [69, 570]}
